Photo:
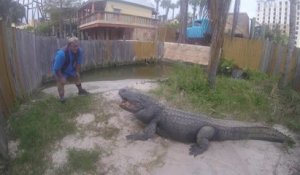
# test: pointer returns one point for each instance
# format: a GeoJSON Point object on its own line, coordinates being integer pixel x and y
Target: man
{"type": "Point", "coordinates": [66, 66]}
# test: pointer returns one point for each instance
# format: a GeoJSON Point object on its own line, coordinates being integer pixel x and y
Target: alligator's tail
{"type": "Point", "coordinates": [252, 133]}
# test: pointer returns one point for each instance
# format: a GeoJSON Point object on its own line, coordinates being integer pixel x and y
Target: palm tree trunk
{"type": "Point", "coordinates": [235, 16]}
{"type": "Point", "coordinates": [183, 20]}
{"type": "Point", "coordinates": [157, 4]}
{"type": "Point", "coordinates": [194, 12]}
{"type": "Point", "coordinates": [218, 10]}
{"type": "Point", "coordinates": [60, 20]}
{"type": "Point", "coordinates": [291, 43]}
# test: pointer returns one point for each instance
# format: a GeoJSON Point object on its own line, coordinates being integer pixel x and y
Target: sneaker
{"type": "Point", "coordinates": [62, 100]}
{"type": "Point", "coordinates": [83, 92]}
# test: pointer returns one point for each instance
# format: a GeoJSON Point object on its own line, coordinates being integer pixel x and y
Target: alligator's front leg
{"type": "Point", "coordinates": [203, 137]}
{"type": "Point", "coordinates": [147, 133]}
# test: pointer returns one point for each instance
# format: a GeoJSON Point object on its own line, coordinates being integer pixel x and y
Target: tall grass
{"type": "Point", "coordinates": [254, 99]}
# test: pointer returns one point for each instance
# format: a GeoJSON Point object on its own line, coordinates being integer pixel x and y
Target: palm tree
{"type": "Point", "coordinates": [291, 42]}
{"type": "Point", "coordinates": [195, 4]}
{"type": "Point", "coordinates": [173, 6]}
{"type": "Point", "coordinates": [157, 5]}
{"type": "Point", "coordinates": [11, 11]}
{"type": "Point", "coordinates": [235, 16]}
{"type": "Point", "coordinates": [183, 20]}
{"type": "Point", "coordinates": [166, 4]}
{"type": "Point", "coordinates": [218, 12]}
{"type": "Point", "coordinates": [203, 9]}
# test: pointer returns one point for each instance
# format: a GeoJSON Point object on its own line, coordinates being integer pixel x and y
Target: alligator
{"type": "Point", "coordinates": [188, 127]}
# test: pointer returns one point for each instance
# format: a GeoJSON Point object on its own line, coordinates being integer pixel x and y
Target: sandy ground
{"type": "Point", "coordinates": [159, 156]}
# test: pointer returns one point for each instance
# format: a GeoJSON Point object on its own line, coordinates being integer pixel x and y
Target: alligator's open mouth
{"type": "Point", "coordinates": [128, 105]}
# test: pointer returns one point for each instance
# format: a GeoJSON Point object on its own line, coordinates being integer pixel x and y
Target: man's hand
{"type": "Point", "coordinates": [78, 74]}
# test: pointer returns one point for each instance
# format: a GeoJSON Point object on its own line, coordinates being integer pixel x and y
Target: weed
{"type": "Point", "coordinates": [80, 162]}
{"type": "Point", "coordinates": [38, 124]}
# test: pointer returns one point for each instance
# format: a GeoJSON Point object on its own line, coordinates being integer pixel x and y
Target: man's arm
{"type": "Point", "coordinates": [58, 63]}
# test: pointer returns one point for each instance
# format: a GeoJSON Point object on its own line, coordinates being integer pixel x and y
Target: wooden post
{"type": "Point", "coordinates": [297, 74]}
{"type": "Point", "coordinates": [4, 158]}
{"type": "Point", "coordinates": [278, 60]}
{"type": "Point", "coordinates": [266, 56]}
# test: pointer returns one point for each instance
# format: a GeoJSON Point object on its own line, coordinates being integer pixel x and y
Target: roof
{"type": "Point", "coordinates": [143, 3]}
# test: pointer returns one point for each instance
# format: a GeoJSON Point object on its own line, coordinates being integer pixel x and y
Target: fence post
{"type": "Point", "coordinates": [278, 60]}
{"type": "Point", "coordinates": [4, 158]}
{"type": "Point", "coordinates": [297, 74]}
{"type": "Point", "coordinates": [266, 56]}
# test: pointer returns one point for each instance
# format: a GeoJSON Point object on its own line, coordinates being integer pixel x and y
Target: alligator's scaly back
{"type": "Point", "coordinates": [189, 127]}
{"type": "Point", "coordinates": [250, 133]}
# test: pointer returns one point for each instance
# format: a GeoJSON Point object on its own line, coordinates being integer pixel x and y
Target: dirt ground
{"type": "Point", "coordinates": [105, 130]}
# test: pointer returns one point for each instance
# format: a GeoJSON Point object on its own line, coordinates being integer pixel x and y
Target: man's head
{"type": "Point", "coordinates": [73, 44]}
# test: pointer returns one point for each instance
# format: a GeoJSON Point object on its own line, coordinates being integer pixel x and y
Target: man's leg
{"type": "Point", "coordinates": [77, 81]}
{"type": "Point", "coordinates": [60, 87]}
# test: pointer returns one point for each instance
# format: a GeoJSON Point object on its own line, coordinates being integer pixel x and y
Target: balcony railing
{"type": "Point", "coordinates": [116, 19]}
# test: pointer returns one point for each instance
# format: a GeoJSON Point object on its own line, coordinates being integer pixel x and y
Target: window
{"type": "Point", "coordinates": [197, 23]}
{"type": "Point", "coordinates": [118, 11]}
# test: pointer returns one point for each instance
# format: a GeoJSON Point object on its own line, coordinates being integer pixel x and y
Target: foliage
{"type": "Point", "coordinates": [194, 4]}
{"type": "Point", "coordinates": [29, 28]}
{"type": "Point", "coordinates": [203, 9]}
{"type": "Point", "coordinates": [37, 125]}
{"type": "Point", "coordinates": [11, 11]}
{"type": "Point", "coordinates": [254, 99]}
{"type": "Point", "coordinates": [226, 67]}
{"type": "Point", "coordinates": [276, 35]}
{"type": "Point", "coordinates": [61, 11]}
{"type": "Point", "coordinates": [173, 6]}
{"type": "Point", "coordinates": [166, 4]}
{"type": "Point", "coordinates": [44, 28]}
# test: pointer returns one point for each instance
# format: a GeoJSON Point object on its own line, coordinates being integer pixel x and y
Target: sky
{"type": "Point", "coordinates": [248, 6]}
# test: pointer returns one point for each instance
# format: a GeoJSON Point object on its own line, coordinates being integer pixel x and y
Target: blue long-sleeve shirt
{"type": "Point", "coordinates": [59, 61]}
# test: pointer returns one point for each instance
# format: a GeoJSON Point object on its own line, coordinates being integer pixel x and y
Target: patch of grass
{"type": "Point", "coordinates": [38, 124]}
{"type": "Point", "coordinates": [109, 132]}
{"type": "Point", "coordinates": [80, 162]}
{"type": "Point", "coordinates": [254, 99]}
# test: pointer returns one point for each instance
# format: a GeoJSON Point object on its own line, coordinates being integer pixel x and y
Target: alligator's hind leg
{"type": "Point", "coordinates": [203, 137]}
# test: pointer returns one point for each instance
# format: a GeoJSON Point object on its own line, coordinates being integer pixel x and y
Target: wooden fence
{"type": "Point", "coordinates": [26, 59]}
{"type": "Point", "coordinates": [264, 56]}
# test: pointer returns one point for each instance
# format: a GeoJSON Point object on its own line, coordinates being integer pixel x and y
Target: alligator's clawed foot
{"type": "Point", "coordinates": [195, 150]}
{"type": "Point", "coordinates": [131, 137]}
{"type": "Point", "coordinates": [135, 137]}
